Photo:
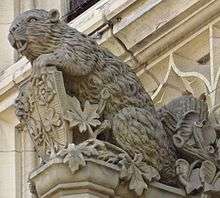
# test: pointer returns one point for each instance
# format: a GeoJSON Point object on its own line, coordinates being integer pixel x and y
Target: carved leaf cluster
{"type": "Point", "coordinates": [24, 105]}
{"type": "Point", "coordinates": [44, 89]}
{"type": "Point", "coordinates": [51, 120]}
{"type": "Point", "coordinates": [85, 118]}
{"type": "Point", "coordinates": [188, 176]}
{"type": "Point", "coordinates": [137, 173]}
{"type": "Point", "coordinates": [195, 178]}
{"type": "Point", "coordinates": [74, 155]}
{"type": "Point", "coordinates": [210, 176]}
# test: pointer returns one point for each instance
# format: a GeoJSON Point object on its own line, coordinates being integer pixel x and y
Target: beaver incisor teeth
{"type": "Point", "coordinates": [19, 45]}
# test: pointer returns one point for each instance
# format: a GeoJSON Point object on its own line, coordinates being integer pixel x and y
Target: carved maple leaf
{"type": "Point", "coordinates": [85, 118]}
{"type": "Point", "coordinates": [188, 175]}
{"type": "Point", "coordinates": [73, 155]}
{"type": "Point", "coordinates": [138, 173]}
{"type": "Point", "coordinates": [207, 172]}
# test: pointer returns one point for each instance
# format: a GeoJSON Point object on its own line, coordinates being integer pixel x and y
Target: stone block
{"type": "Point", "coordinates": [47, 4]}
{"type": "Point", "coordinates": [7, 52]}
{"type": "Point", "coordinates": [7, 141]}
{"type": "Point", "coordinates": [8, 175]}
{"type": "Point", "coordinates": [55, 179]}
{"type": "Point", "coordinates": [8, 9]}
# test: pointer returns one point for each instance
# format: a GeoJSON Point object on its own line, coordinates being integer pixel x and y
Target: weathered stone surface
{"type": "Point", "coordinates": [94, 76]}
{"type": "Point", "coordinates": [40, 106]}
{"type": "Point", "coordinates": [100, 111]}
{"type": "Point", "coordinates": [96, 179]}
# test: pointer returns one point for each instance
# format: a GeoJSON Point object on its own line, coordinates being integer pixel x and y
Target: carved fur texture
{"type": "Point", "coordinates": [89, 70]}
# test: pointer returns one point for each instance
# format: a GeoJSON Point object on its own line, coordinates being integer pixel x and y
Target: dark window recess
{"type": "Point", "coordinates": [77, 7]}
{"type": "Point", "coordinates": [204, 60]}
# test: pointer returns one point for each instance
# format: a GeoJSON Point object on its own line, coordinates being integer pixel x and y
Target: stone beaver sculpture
{"type": "Point", "coordinates": [89, 69]}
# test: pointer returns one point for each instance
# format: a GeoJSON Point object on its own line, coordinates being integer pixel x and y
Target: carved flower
{"type": "Point", "coordinates": [52, 120]}
{"type": "Point", "coordinates": [84, 119]}
{"type": "Point", "coordinates": [137, 172]}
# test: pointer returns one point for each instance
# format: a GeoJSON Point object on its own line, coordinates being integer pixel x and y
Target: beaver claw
{"type": "Point", "coordinates": [41, 61]}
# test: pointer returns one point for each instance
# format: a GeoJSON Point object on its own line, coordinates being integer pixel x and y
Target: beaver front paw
{"type": "Point", "coordinates": [41, 61]}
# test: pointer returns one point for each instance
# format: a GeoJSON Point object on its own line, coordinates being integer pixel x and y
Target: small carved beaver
{"type": "Point", "coordinates": [89, 69]}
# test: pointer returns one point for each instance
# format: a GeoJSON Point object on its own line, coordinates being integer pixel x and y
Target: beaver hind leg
{"type": "Point", "coordinates": [138, 131]}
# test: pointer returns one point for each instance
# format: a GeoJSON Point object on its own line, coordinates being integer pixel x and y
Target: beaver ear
{"type": "Point", "coordinates": [54, 15]}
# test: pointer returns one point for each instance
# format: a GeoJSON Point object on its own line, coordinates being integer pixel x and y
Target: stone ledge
{"type": "Point", "coordinates": [96, 178]}
{"type": "Point", "coordinates": [79, 188]}
{"type": "Point", "coordinates": [56, 176]}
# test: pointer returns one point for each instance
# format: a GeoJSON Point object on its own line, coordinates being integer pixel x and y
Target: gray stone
{"type": "Point", "coordinates": [95, 127]}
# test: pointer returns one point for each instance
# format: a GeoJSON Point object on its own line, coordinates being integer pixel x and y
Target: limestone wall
{"type": "Point", "coordinates": [10, 9]}
{"type": "Point", "coordinates": [172, 45]}
{"type": "Point", "coordinates": [17, 156]}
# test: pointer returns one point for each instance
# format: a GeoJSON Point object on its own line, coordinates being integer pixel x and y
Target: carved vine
{"type": "Point", "coordinates": [133, 171]}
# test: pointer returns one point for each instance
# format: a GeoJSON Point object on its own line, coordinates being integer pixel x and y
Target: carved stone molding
{"type": "Point", "coordinates": [51, 117]}
{"type": "Point", "coordinates": [107, 117]}
{"type": "Point", "coordinates": [95, 179]}
{"type": "Point", "coordinates": [40, 107]}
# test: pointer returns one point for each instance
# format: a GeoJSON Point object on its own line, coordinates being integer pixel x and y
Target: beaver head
{"type": "Point", "coordinates": [36, 32]}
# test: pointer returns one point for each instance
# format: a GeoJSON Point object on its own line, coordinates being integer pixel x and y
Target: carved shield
{"type": "Point", "coordinates": [40, 107]}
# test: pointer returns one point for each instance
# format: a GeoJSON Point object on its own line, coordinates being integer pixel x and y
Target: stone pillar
{"type": "Point", "coordinates": [61, 5]}
{"type": "Point", "coordinates": [10, 156]}
{"type": "Point", "coordinates": [27, 5]}
{"type": "Point", "coordinates": [28, 162]}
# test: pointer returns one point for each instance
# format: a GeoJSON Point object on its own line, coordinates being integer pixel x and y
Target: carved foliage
{"type": "Point", "coordinates": [188, 175]}
{"type": "Point", "coordinates": [43, 89]}
{"type": "Point", "coordinates": [85, 119]}
{"type": "Point", "coordinates": [198, 176]}
{"type": "Point", "coordinates": [196, 139]}
{"type": "Point", "coordinates": [133, 171]}
{"type": "Point", "coordinates": [137, 173]}
{"type": "Point", "coordinates": [39, 109]}
{"type": "Point", "coordinates": [74, 154]}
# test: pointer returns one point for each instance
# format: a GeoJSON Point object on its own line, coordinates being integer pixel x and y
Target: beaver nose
{"type": "Point", "coordinates": [12, 29]}
{"type": "Point", "coordinates": [11, 40]}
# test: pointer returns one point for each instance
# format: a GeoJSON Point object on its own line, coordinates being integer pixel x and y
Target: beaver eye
{"type": "Point", "coordinates": [32, 19]}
